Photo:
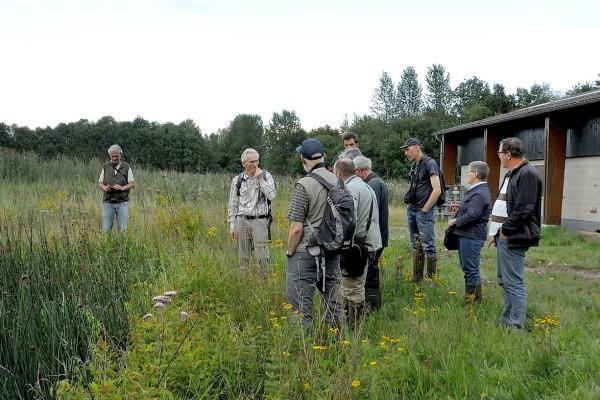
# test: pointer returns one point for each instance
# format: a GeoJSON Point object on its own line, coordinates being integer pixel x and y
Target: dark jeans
{"type": "Point", "coordinates": [302, 278]}
{"type": "Point", "coordinates": [469, 253]}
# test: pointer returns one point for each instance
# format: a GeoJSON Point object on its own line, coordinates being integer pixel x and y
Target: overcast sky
{"type": "Point", "coordinates": [170, 60]}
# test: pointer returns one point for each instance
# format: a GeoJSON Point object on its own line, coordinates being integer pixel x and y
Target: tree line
{"type": "Point", "coordinates": [398, 111]}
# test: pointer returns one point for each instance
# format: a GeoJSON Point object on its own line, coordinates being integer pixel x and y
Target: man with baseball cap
{"type": "Point", "coordinates": [305, 213]}
{"type": "Point", "coordinates": [424, 190]}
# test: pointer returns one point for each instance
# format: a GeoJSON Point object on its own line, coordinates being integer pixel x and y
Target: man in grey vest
{"type": "Point", "coordinates": [249, 212]}
{"type": "Point", "coordinates": [367, 232]}
{"type": "Point", "coordinates": [305, 213]}
{"type": "Point", "coordinates": [116, 179]}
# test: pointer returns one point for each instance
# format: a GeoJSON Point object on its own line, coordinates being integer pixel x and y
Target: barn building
{"type": "Point", "coordinates": [561, 138]}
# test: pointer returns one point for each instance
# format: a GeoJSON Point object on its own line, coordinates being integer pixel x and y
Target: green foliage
{"type": "Point", "coordinates": [245, 131]}
{"type": "Point", "coordinates": [539, 93]}
{"type": "Point", "coordinates": [584, 87]}
{"type": "Point", "coordinates": [283, 134]}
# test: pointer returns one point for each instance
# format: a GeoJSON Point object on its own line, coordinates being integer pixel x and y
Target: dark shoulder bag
{"type": "Point", "coordinates": [450, 239]}
{"type": "Point", "coordinates": [354, 259]}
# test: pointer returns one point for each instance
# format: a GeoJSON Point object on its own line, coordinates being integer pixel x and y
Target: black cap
{"type": "Point", "coordinates": [311, 149]}
{"type": "Point", "coordinates": [411, 142]}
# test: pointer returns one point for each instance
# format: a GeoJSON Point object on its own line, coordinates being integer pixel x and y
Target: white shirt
{"type": "Point", "coordinates": [499, 212]}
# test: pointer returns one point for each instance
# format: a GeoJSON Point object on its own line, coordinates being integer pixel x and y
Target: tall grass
{"type": "Point", "coordinates": [59, 296]}
{"type": "Point", "coordinates": [242, 345]}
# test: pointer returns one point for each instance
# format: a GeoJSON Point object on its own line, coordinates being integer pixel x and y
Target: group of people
{"type": "Point", "coordinates": [513, 228]}
{"type": "Point", "coordinates": [514, 225]}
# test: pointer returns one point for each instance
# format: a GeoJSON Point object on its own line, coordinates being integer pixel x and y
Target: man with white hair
{"type": "Point", "coordinates": [116, 179]}
{"type": "Point", "coordinates": [249, 212]}
{"type": "Point", "coordinates": [364, 170]}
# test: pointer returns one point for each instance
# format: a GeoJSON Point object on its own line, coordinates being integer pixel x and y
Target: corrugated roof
{"type": "Point", "coordinates": [556, 105]}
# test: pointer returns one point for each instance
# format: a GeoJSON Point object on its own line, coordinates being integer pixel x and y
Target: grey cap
{"type": "Point", "coordinates": [411, 142]}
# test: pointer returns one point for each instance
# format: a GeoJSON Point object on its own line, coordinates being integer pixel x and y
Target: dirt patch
{"type": "Point", "coordinates": [588, 274]}
{"type": "Point", "coordinates": [585, 273]}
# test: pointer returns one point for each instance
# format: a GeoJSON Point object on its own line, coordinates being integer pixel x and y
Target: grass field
{"type": "Point", "coordinates": [72, 305]}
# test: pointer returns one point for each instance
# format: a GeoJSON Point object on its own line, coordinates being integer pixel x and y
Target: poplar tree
{"type": "Point", "coordinates": [383, 104]}
{"type": "Point", "coordinates": [409, 94]}
{"type": "Point", "coordinates": [439, 94]}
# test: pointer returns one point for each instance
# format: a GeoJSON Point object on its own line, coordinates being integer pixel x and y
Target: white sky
{"type": "Point", "coordinates": [169, 60]}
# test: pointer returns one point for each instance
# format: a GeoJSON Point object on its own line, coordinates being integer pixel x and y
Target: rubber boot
{"type": "Point", "coordinates": [418, 256]}
{"type": "Point", "coordinates": [473, 294]}
{"type": "Point", "coordinates": [469, 294]}
{"type": "Point", "coordinates": [431, 267]}
{"type": "Point", "coordinates": [478, 293]}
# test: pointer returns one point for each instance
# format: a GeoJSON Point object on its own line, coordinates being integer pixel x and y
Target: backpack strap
{"type": "Point", "coordinates": [321, 180]}
{"type": "Point", "coordinates": [238, 183]}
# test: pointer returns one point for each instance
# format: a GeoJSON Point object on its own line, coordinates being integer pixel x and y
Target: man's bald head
{"type": "Point", "coordinates": [344, 167]}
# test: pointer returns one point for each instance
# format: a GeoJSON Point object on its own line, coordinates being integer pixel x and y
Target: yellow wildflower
{"type": "Point", "coordinates": [285, 354]}
{"type": "Point", "coordinates": [287, 306]}
{"type": "Point", "coordinates": [355, 383]}
{"type": "Point", "coordinates": [319, 348]}
{"type": "Point", "coordinates": [373, 363]}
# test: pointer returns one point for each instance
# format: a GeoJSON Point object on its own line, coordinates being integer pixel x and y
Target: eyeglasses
{"type": "Point", "coordinates": [502, 152]}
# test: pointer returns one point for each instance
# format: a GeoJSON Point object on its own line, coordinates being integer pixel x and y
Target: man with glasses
{"type": "Point", "coordinates": [249, 212]}
{"type": "Point", "coordinates": [515, 226]}
{"type": "Point", "coordinates": [425, 188]}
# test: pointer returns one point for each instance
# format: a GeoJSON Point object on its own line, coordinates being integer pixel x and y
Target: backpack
{"type": "Point", "coordinates": [442, 199]}
{"type": "Point", "coordinates": [339, 220]}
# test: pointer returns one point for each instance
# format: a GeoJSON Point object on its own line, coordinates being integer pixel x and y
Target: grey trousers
{"type": "Point", "coordinates": [253, 234]}
{"type": "Point", "coordinates": [302, 278]}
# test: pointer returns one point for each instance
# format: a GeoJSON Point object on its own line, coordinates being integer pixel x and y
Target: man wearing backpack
{"type": "Point", "coordinates": [367, 241]}
{"type": "Point", "coordinates": [249, 212]}
{"type": "Point", "coordinates": [309, 266]}
{"type": "Point", "coordinates": [421, 198]}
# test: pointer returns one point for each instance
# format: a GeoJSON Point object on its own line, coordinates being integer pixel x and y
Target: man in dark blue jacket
{"type": "Point", "coordinates": [470, 225]}
{"type": "Point", "coordinates": [516, 225]}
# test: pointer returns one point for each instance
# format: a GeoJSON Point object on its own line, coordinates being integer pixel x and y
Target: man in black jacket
{"type": "Point", "coordinates": [515, 226]}
{"type": "Point", "coordinates": [373, 283]}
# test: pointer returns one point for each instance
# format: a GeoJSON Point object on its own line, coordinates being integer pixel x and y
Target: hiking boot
{"type": "Point", "coordinates": [356, 314]}
{"type": "Point", "coordinates": [373, 298]}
